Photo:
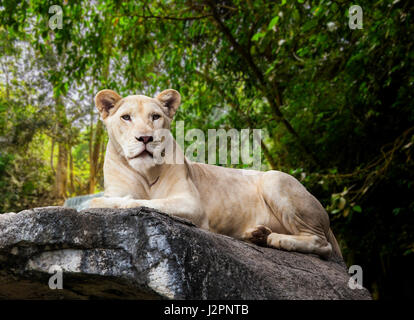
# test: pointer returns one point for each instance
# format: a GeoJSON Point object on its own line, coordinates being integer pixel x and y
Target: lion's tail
{"type": "Point", "coordinates": [336, 250]}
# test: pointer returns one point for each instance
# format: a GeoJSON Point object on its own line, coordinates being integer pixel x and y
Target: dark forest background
{"type": "Point", "coordinates": [336, 104]}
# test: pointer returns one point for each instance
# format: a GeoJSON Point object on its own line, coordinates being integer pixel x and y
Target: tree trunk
{"type": "Point", "coordinates": [71, 179]}
{"type": "Point", "coordinates": [61, 178]}
{"type": "Point", "coordinates": [95, 148]}
{"type": "Point", "coordinates": [94, 158]}
{"type": "Point", "coordinates": [52, 154]}
{"type": "Point", "coordinates": [61, 172]}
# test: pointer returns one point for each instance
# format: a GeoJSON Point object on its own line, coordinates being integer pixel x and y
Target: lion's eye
{"type": "Point", "coordinates": [126, 117]}
{"type": "Point", "coordinates": [155, 117]}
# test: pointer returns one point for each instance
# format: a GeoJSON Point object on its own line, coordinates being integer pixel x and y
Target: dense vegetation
{"type": "Point", "coordinates": [336, 104]}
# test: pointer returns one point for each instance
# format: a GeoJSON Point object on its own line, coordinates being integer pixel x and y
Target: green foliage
{"type": "Point", "coordinates": [336, 104]}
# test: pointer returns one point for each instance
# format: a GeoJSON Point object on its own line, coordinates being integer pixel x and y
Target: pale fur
{"type": "Point", "coordinates": [269, 208]}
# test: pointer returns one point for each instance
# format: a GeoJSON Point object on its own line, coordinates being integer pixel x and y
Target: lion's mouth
{"type": "Point", "coordinates": [142, 154]}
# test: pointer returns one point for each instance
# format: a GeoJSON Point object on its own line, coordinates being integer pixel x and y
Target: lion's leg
{"type": "Point", "coordinates": [183, 207]}
{"type": "Point", "coordinates": [180, 207]}
{"type": "Point", "coordinates": [305, 243]}
{"type": "Point", "coordinates": [108, 202]}
{"type": "Point", "coordinates": [257, 235]}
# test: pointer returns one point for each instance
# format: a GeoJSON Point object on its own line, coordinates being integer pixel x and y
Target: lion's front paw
{"type": "Point", "coordinates": [131, 203]}
{"type": "Point", "coordinates": [97, 203]}
{"type": "Point", "coordinates": [106, 202]}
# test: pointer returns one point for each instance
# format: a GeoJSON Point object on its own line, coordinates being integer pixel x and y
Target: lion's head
{"type": "Point", "coordinates": [138, 125]}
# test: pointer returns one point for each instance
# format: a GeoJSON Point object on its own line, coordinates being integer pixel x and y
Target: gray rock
{"type": "Point", "coordinates": [144, 254]}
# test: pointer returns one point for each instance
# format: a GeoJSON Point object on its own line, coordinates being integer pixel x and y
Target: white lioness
{"type": "Point", "coordinates": [267, 208]}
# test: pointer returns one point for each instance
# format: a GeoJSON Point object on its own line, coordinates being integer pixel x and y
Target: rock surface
{"type": "Point", "coordinates": [144, 254]}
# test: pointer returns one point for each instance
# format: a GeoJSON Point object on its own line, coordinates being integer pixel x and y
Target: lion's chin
{"type": "Point", "coordinates": [142, 160]}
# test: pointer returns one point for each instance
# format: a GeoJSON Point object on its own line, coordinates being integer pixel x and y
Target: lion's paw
{"type": "Point", "coordinates": [97, 203]}
{"type": "Point", "coordinates": [258, 235]}
{"type": "Point", "coordinates": [131, 203]}
{"type": "Point", "coordinates": [105, 202]}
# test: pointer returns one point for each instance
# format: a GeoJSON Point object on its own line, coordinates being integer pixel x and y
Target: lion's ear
{"type": "Point", "coordinates": [170, 100]}
{"type": "Point", "coordinates": [105, 101]}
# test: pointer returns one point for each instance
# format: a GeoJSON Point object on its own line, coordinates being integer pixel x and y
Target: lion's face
{"type": "Point", "coordinates": [139, 125]}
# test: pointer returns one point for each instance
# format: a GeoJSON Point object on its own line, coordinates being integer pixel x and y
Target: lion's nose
{"type": "Point", "coordinates": [145, 139]}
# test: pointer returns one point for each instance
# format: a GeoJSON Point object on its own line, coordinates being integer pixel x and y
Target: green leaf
{"type": "Point", "coordinates": [258, 36]}
{"type": "Point", "coordinates": [357, 208]}
{"type": "Point", "coordinates": [273, 22]}
{"type": "Point", "coordinates": [335, 211]}
{"type": "Point", "coordinates": [342, 203]}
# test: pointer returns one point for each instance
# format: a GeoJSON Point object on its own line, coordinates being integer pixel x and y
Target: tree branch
{"type": "Point", "coordinates": [235, 105]}
{"type": "Point", "coordinates": [164, 17]}
{"type": "Point", "coordinates": [270, 91]}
